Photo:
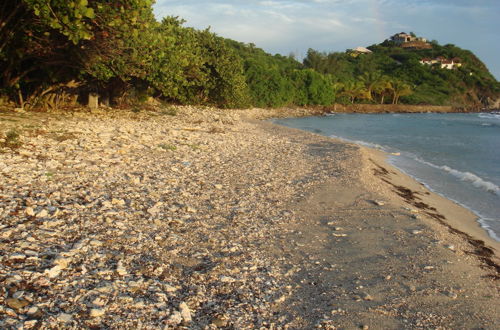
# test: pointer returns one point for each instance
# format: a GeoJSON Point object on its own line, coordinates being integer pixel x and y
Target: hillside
{"type": "Point", "coordinates": [429, 75]}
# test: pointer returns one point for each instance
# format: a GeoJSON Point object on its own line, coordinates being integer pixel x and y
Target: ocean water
{"type": "Point", "coordinates": [455, 155]}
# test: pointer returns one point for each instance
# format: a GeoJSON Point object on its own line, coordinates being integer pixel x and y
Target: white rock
{"type": "Point", "coordinates": [175, 318]}
{"type": "Point", "coordinates": [42, 214]}
{"type": "Point", "coordinates": [30, 324]}
{"type": "Point", "coordinates": [97, 312]}
{"type": "Point", "coordinates": [29, 211]}
{"type": "Point", "coordinates": [54, 271]}
{"type": "Point", "coordinates": [227, 279]}
{"type": "Point", "coordinates": [17, 257]}
{"type": "Point", "coordinates": [118, 202]}
{"type": "Point", "coordinates": [99, 302]}
{"type": "Point", "coordinates": [63, 317]}
{"type": "Point", "coordinates": [120, 269]}
{"type": "Point", "coordinates": [170, 288]}
{"type": "Point", "coordinates": [95, 242]}
{"type": "Point", "coordinates": [190, 209]}
{"type": "Point", "coordinates": [33, 310]}
{"type": "Point", "coordinates": [185, 312]}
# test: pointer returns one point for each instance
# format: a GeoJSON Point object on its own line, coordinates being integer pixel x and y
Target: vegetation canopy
{"type": "Point", "coordinates": [54, 52]}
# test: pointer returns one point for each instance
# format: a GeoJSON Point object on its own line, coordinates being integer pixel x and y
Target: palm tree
{"type": "Point", "coordinates": [400, 88]}
{"type": "Point", "coordinates": [383, 88]}
{"type": "Point", "coordinates": [371, 80]}
{"type": "Point", "coordinates": [354, 90]}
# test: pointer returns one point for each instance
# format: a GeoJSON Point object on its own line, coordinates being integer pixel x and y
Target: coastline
{"type": "Point", "coordinates": [215, 218]}
{"type": "Point", "coordinates": [396, 108]}
{"type": "Point", "coordinates": [436, 208]}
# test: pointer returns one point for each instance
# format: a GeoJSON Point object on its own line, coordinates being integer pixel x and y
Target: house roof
{"type": "Point", "coordinates": [362, 50]}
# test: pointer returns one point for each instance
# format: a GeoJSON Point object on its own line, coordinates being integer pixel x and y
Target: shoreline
{"type": "Point", "coordinates": [455, 217]}
{"type": "Point", "coordinates": [214, 218]}
{"type": "Point", "coordinates": [448, 213]}
{"type": "Point", "coordinates": [395, 108]}
{"type": "Point", "coordinates": [484, 234]}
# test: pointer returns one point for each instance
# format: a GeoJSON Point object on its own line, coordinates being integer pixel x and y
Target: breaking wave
{"type": "Point", "coordinates": [491, 115]}
{"type": "Point", "coordinates": [472, 178]}
{"type": "Point", "coordinates": [363, 143]}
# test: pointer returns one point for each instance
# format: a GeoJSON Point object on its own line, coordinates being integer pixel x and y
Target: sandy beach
{"type": "Point", "coordinates": [203, 219]}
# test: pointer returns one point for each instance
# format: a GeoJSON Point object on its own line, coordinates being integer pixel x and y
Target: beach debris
{"type": "Point", "coordinates": [339, 235]}
{"type": "Point", "coordinates": [64, 318]}
{"type": "Point", "coordinates": [378, 202]}
{"type": "Point", "coordinates": [97, 312]}
{"type": "Point", "coordinates": [450, 247]}
{"type": "Point", "coordinates": [16, 303]}
{"type": "Point", "coordinates": [185, 312]}
{"type": "Point", "coordinates": [366, 296]}
{"type": "Point", "coordinates": [452, 295]}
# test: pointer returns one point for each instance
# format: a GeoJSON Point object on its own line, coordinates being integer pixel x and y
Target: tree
{"type": "Point", "coordinates": [354, 90]}
{"type": "Point", "coordinates": [49, 42]}
{"type": "Point", "coordinates": [372, 81]}
{"type": "Point", "coordinates": [383, 88]}
{"type": "Point", "coordinates": [399, 88]}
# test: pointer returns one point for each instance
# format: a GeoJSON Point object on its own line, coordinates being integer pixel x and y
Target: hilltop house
{"type": "Point", "coordinates": [402, 38]}
{"type": "Point", "coordinates": [443, 62]}
{"type": "Point", "coordinates": [416, 45]}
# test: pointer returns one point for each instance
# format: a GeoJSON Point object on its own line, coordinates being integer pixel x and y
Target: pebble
{"type": "Point", "coordinates": [17, 257]}
{"type": "Point", "coordinates": [450, 247]}
{"type": "Point", "coordinates": [42, 214]}
{"type": "Point", "coordinates": [16, 303]}
{"type": "Point", "coordinates": [29, 211]}
{"type": "Point", "coordinates": [367, 297]}
{"type": "Point", "coordinates": [227, 279]}
{"type": "Point", "coordinates": [120, 269]}
{"type": "Point", "coordinates": [33, 310]}
{"type": "Point", "coordinates": [65, 318]}
{"type": "Point", "coordinates": [54, 271]}
{"type": "Point", "coordinates": [185, 312]}
{"type": "Point", "coordinates": [97, 312]}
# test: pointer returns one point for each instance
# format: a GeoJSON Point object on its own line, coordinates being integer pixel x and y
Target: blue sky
{"type": "Point", "coordinates": [286, 26]}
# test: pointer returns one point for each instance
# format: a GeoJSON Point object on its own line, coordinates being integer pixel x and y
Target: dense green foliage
{"type": "Point", "coordinates": [118, 48]}
{"type": "Point", "coordinates": [113, 48]}
{"type": "Point", "coordinates": [278, 80]}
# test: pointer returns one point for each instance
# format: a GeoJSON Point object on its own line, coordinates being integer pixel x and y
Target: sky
{"type": "Point", "coordinates": [294, 26]}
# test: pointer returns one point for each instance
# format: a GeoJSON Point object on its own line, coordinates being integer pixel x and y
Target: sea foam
{"type": "Point", "coordinates": [472, 178]}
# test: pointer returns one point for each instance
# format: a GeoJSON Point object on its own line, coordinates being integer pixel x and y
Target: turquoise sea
{"type": "Point", "coordinates": [455, 155]}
